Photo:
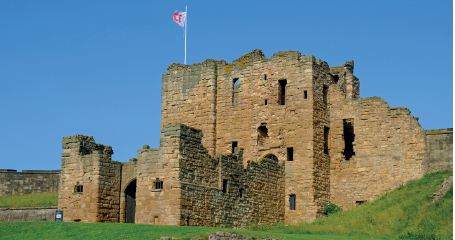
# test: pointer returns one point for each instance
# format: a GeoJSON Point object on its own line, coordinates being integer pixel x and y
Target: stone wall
{"type": "Point", "coordinates": [90, 181]}
{"type": "Point", "coordinates": [28, 182]}
{"type": "Point", "coordinates": [27, 214]}
{"type": "Point", "coordinates": [220, 192]}
{"type": "Point", "coordinates": [440, 149]}
{"type": "Point", "coordinates": [389, 149]}
{"type": "Point", "coordinates": [159, 206]}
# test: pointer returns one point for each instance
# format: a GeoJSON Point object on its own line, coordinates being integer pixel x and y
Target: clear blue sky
{"type": "Point", "coordinates": [94, 67]}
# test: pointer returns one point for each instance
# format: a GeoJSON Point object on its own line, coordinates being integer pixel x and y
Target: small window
{"type": "Point", "coordinates": [158, 184]}
{"type": "Point", "coordinates": [265, 103]}
{"type": "Point", "coordinates": [234, 145]}
{"type": "Point", "coordinates": [305, 94]}
{"type": "Point", "coordinates": [241, 192]}
{"type": "Point", "coordinates": [282, 92]}
{"type": "Point", "coordinates": [225, 185]}
{"type": "Point", "coordinates": [290, 154]}
{"type": "Point", "coordinates": [265, 76]}
{"type": "Point", "coordinates": [292, 202]}
{"type": "Point", "coordinates": [235, 92]}
{"type": "Point", "coordinates": [79, 188]}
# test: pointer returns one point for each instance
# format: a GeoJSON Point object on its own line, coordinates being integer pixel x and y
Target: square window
{"type": "Point", "coordinates": [78, 188]}
{"type": "Point", "coordinates": [158, 184]}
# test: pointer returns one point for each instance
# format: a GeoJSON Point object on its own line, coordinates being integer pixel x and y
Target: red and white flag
{"type": "Point", "coordinates": [180, 18]}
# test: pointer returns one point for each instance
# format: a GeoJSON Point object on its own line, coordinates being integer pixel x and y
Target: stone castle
{"type": "Point", "coordinates": [256, 141]}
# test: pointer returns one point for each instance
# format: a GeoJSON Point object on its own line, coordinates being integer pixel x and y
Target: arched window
{"type": "Point", "coordinates": [271, 156]}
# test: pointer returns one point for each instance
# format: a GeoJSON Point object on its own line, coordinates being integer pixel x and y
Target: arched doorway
{"type": "Point", "coordinates": [130, 202]}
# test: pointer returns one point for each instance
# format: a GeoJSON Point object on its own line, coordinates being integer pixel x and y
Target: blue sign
{"type": "Point", "coordinates": [58, 216]}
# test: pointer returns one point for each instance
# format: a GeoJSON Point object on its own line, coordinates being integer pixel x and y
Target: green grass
{"type": "Point", "coordinates": [401, 214]}
{"type": "Point", "coordinates": [30, 200]}
{"type": "Point", "coordinates": [398, 214]}
{"type": "Point", "coordinates": [71, 230]}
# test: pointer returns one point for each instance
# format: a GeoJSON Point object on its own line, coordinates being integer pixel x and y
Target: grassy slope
{"type": "Point", "coordinates": [399, 214]}
{"type": "Point", "coordinates": [31, 200]}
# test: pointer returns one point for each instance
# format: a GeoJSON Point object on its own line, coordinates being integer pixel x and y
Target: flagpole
{"type": "Point", "coordinates": [186, 22]}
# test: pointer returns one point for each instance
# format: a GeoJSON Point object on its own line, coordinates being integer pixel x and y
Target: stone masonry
{"type": "Point", "coordinates": [254, 141]}
{"type": "Point", "coordinates": [27, 182]}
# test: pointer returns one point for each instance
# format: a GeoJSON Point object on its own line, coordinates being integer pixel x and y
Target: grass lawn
{"type": "Point", "coordinates": [70, 230]}
{"type": "Point", "coordinates": [30, 200]}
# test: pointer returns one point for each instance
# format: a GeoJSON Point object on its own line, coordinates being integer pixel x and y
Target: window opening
{"type": "Point", "coordinates": [225, 185]}
{"type": "Point", "coordinates": [348, 135]}
{"type": "Point", "coordinates": [272, 157]}
{"type": "Point", "coordinates": [325, 91]}
{"type": "Point", "coordinates": [326, 140]}
{"type": "Point", "coordinates": [265, 76]}
{"type": "Point", "coordinates": [235, 92]}
{"type": "Point", "coordinates": [158, 184]}
{"type": "Point", "coordinates": [292, 202]}
{"type": "Point", "coordinates": [336, 78]}
{"type": "Point", "coordinates": [305, 94]}
{"type": "Point", "coordinates": [282, 92]}
{"type": "Point", "coordinates": [262, 134]}
{"type": "Point", "coordinates": [265, 102]}
{"type": "Point", "coordinates": [290, 154]}
{"type": "Point", "coordinates": [234, 145]}
{"type": "Point", "coordinates": [79, 188]}
{"type": "Point", "coordinates": [241, 192]}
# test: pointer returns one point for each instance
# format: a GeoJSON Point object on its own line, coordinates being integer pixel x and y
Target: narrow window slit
{"type": "Point", "coordinates": [282, 91]}
{"type": "Point", "coordinates": [290, 154]}
{"type": "Point", "coordinates": [292, 202]}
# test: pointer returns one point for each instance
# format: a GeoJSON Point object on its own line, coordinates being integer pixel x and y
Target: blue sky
{"type": "Point", "coordinates": [94, 67]}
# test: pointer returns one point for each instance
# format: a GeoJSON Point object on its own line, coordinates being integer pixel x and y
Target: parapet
{"type": "Point", "coordinates": [85, 145]}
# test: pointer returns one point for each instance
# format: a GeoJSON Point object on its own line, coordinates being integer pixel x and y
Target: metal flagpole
{"type": "Point", "coordinates": [186, 22]}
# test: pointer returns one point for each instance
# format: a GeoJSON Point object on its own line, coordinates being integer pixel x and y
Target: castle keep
{"type": "Point", "coordinates": [259, 140]}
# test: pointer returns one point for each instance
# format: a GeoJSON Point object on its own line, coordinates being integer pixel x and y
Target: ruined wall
{"type": "Point", "coordinates": [88, 164]}
{"type": "Point", "coordinates": [28, 181]}
{"type": "Point", "coordinates": [388, 146]}
{"type": "Point", "coordinates": [219, 192]}
{"type": "Point", "coordinates": [440, 149]}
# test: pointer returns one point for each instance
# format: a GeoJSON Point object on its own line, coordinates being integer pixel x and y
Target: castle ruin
{"type": "Point", "coordinates": [256, 141]}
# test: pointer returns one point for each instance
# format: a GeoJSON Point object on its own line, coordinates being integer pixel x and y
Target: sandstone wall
{"type": "Point", "coordinates": [389, 147]}
{"type": "Point", "coordinates": [237, 112]}
{"type": "Point", "coordinates": [440, 149]}
{"type": "Point", "coordinates": [220, 192]}
{"type": "Point", "coordinates": [27, 214]}
{"type": "Point", "coordinates": [159, 206]}
{"type": "Point", "coordinates": [28, 182]}
{"type": "Point", "coordinates": [88, 164]}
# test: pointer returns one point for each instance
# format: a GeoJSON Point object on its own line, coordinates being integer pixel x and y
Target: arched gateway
{"type": "Point", "coordinates": [130, 202]}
